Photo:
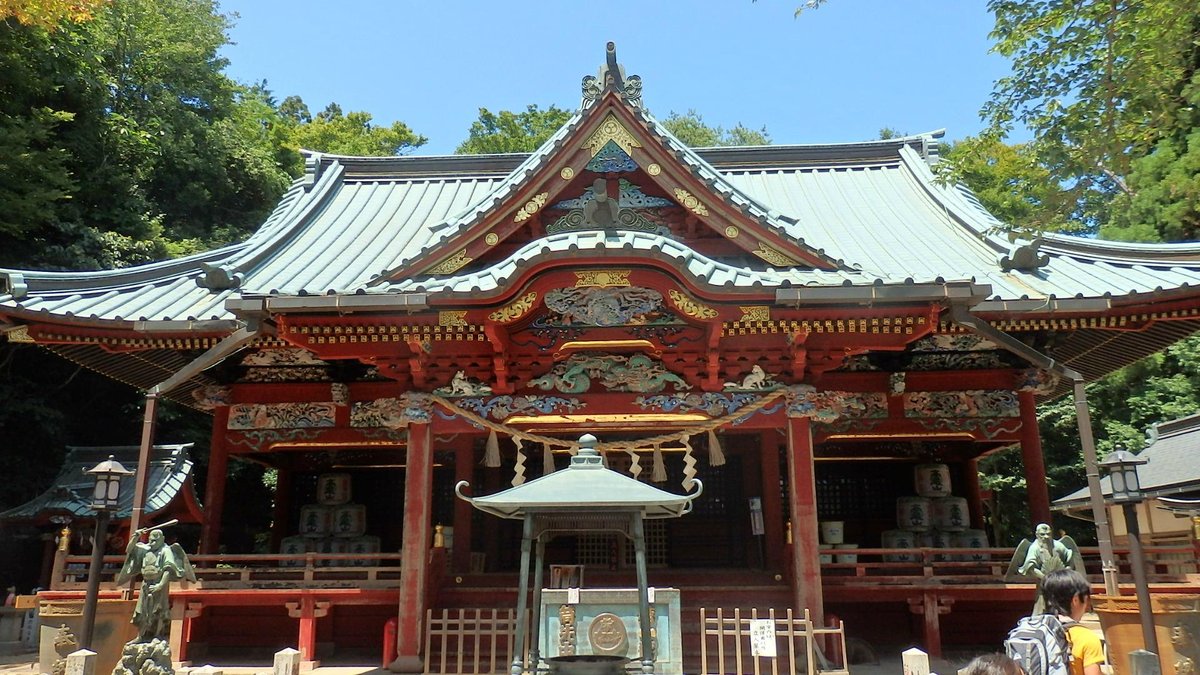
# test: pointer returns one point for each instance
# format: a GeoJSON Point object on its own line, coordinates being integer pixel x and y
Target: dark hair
{"type": "Point", "coordinates": [1060, 587]}
{"type": "Point", "coordinates": [992, 664]}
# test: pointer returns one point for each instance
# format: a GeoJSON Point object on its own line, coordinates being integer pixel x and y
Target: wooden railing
{"type": "Point", "coordinates": [726, 645]}
{"type": "Point", "coordinates": [253, 570]}
{"type": "Point", "coordinates": [470, 641]}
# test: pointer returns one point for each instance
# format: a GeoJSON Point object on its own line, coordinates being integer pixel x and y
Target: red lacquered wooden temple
{"type": "Point", "coordinates": [801, 327]}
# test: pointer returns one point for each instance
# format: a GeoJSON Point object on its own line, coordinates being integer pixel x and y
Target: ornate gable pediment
{"type": "Point", "coordinates": [614, 168]}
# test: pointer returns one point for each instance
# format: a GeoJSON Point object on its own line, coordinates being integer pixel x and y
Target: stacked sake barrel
{"type": "Point", "coordinates": [933, 518]}
{"type": "Point", "coordinates": [333, 524]}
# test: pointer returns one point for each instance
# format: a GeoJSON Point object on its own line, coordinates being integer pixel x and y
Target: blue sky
{"type": "Point", "coordinates": [839, 73]}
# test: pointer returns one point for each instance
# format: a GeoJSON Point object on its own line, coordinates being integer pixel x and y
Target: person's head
{"type": "Point", "coordinates": [156, 539]}
{"type": "Point", "coordinates": [1067, 593]}
{"type": "Point", "coordinates": [992, 664]}
{"type": "Point", "coordinates": [1042, 532]}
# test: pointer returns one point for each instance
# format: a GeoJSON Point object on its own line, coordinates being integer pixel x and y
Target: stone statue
{"type": "Point", "coordinates": [1042, 556]}
{"type": "Point", "coordinates": [158, 565]}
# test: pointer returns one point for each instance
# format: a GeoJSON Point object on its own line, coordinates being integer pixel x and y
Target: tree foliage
{"type": "Point", "coordinates": [693, 132]}
{"type": "Point", "coordinates": [48, 14]}
{"type": "Point", "coordinates": [507, 131]}
{"type": "Point", "coordinates": [352, 133]}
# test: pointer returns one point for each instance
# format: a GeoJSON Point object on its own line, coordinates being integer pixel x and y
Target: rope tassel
{"type": "Point", "coordinates": [491, 450]}
{"type": "Point", "coordinates": [715, 456]}
{"type": "Point", "coordinates": [659, 475]}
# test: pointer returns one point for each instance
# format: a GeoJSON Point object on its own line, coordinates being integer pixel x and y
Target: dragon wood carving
{"type": "Point", "coordinates": [637, 373]}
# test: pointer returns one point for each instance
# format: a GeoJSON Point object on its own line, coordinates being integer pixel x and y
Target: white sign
{"type": "Point", "coordinates": [762, 637]}
{"type": "Point", "coordinates": [572, 596]}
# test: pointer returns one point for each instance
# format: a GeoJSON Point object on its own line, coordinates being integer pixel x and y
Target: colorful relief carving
{"type": "Point", "coordinates": [611, 159]}
{"type": "Point", "coordinates": [709, 403]}
{"type": "Point", "coordinates": [595, 306]}
{"type": "Point", "coordinates": [281, 416]}
{"type": "Point", "coordinates": [755, 380]}
{"type": "Point", "coordinates": [987, 427]}
{"type": "Point", "coordinates": [282, 357]}
{"type": "Point", "coordinates": [531, 207]}
{"type": "Point", "coordinates": [955, 361]}
{"type": "Point", "coordinates": [516, 310]}
{"type": "Point", "coordinates": [689, 202]}
{"type": "Point", "coordinates": [503, 407]}
{"type": "Point", "coordinates": [976, 403]}
{"type": "Point", "coordinates": [461, 385]}
{"type": "Point", "coordinates": [626, 219]}
{"type": "Point", "coordinates": [1038, 381]}
{"type": "Point", "coordinates": [393, 413]}
{"type": "Point", "coordinates": [896, 383]}
{"type": "Point", "coordinates": [287, 374]}
{"type": "Point", "coordinates": [827, 406]}
{"type": "Point", "coordinates": [211, 396]}
{"type": "Point", "coordinates": [637, 373]}
{"type": "Point", "coordinates": [339, 393]}
{"type": "Point", "coordinates": [690, 307]}
{"type": "Point", "coordinates": [262, 439]}
{"type": "Point", "coordinates": [611, 129]}
{"type": "Point", "coordinates": [632, 196]}
{"type": "Point", "coordinates": [953, 342]}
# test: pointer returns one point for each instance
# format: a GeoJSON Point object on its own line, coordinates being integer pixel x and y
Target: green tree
{"type": "Point", "coordinates": [693, 132]}
{"type": "Point", "coordinates": [507, 131]}
{"type": "Point", "coordinates": [340, 133]}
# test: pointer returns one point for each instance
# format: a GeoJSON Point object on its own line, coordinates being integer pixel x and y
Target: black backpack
{"type": "Point", "coordinates": [1040, 645]}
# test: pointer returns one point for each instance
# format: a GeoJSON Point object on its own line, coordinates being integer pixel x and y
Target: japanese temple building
{"type": "Point", "coordinates": [801, 327]}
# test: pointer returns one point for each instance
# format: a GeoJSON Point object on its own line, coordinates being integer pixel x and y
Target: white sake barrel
{"type": "Point", "coordinates": [971, 539]}
{"type": "Point", "coordinates": [333, 488]}
{"type": "Point", "coordinates": [825, 557]}
{"type": "Point", "coordinates": [898, 539]}
{"type": "Point", "coordinates": [845, 558]}
{"type": "Point", "coordinates": [936, 539]}
{"type": "Point", "coordinates": [294, 545]}
{"type": "Point", "coordinates": [316, 520]}
{"type": "Point", "coordinates": [912, 513]}
{"type": "Point", "coordinates": [350, 520]}
{"type": "Point", "coordinates": [331, 545]}
{"type": "Point", "coordinates": [361, 545]}
{"type": "Point", "coordinates": [950, 514]}
{"type": "Point", "coordinates": [833, 531]}
{"type": "Point", "coordinates": [932, 480]}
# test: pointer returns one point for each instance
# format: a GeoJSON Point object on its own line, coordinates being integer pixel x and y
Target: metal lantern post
{"type": "Point", "coordinates": [105, 498]}
{"type": "Point", "coordinates": [1127, 491]}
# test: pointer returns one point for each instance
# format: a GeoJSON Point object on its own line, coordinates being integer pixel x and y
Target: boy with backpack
{"type": "Point", "coordinates": [1055, 643]}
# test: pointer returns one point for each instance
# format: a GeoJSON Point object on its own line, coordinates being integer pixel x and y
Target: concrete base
{"type": "Point", "coordinates": [112, 630]}
{"type": "Point", "coordinates": [407, 664]}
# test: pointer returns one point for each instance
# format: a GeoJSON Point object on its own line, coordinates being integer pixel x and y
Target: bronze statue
{"type": "Point", "coordinates": [1042, 556]}
{"type": "Point", "coordinates": [158, 565]}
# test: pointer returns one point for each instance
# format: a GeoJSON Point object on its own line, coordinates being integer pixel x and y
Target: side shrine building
{"type": "Point", "coordinates": [803, 328]}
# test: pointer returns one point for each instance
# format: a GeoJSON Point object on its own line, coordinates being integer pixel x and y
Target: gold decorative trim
{"type": "Point", "coordinates": [602, 278]}
{"type": "Point", "coordinates": [516, 310]}
{"type": "Point", "coordinates": [20, 334]}
{"type": "Point", "coordinates": [491, 239]}
{"type": "Point", "coordinates": [567, 173]}
{"type": "Point", "coordinates": [690, 203]}
{"type": "Point", "coordinates": [452, 318]}
{"type": "Point", "coordinates": [531, 207]}
{"type": "Point", "coordinates": [755, 313]}
{"type": "Point", "coordinates": [452, 264]}
{"type": "Point", "coordinates": [654, 169]}
{"type": "Point", "coordinates": [886, 325]}
{"type": "Point", "coordinates": [690, 307]}
{"type": "Point", "coordinates": [363, 334]}
{"type": "Point", "coordinates": [774, 257]}
{"type": "Point", "coordinates": [732, 232]}
{"type": "Point", "coordinates": [611, 129]}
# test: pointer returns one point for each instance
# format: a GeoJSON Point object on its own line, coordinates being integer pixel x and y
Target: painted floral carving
{"type": "Point", "coordinates": [281, 416]}
{"type": "Point", "coordinates": [896, 383]}
{"type": "Point", "coordinates": [977, 403]}
{"type": "Point", "coordinates": [393, 413]}
{"type": "Point", "coordinates": [282, 357]}
{"type": "Point", "coordinates": [1038, 381]}
{"type": "Point", "coordinates": [827, 406]}
{"type": "Point", "coordinates": [603, 306]}
{"type": "Point", "coordinates": [953, 342]}
{"type": "Point", "coordinates": [287, 374]}
{"type": "Point", "coordinates": [339, 393]}
{"type": "Point", "coordinates": [211, 396]}
{"type": "Point", "coordinates": [711, 404]}
{"type": "Point", "coordinates": [638, 373]}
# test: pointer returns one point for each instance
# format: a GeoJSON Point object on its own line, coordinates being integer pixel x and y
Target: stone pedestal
{"type": "Point", "coordinates": [604, 622]}
{"type": "Point", "coordinates": [146, 658]}
{"type": "Point", "coordinates": [112, 630]}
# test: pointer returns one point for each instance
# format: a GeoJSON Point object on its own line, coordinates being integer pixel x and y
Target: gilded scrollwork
{"type": "Point", "coordinates": [689, 202]}
{"type": "Point", "coordinates": [531, 207]}
{"type": "Point", "coordinates": [690, 307]}
{"type": "Point", "coordinates": [453, 263]}
{"type": "Point", "coordinates": [774, 257]}
{"type": "Point", "coordinates": [515, 310]}
{"type": "Point", "coordinates": [602, 278]}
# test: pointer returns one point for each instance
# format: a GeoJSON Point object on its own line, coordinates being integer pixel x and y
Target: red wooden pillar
{"type": "Point", "coordinates": [414, 548]}
{"type": "Point", "coordinates": [806, 563]}
{"type": "Point", "coordinates": [308, 610]}
{"type": "Point", "coordinates": [1031, 457]}
{"type": "Point", "coordinates": [283, 506]}
{"type": "Point", "coordinates": [772, 499]}
{"type": "Point", "coordinates": [974, 496]}
{"type": "Point", "coordinates": [464, 469]}
{"type": "Point", "coordinates": [214, 491]}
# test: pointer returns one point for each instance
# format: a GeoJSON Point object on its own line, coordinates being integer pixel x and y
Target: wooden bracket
{"type": "Point", "coordinates": [421, 350]}
{"type": "Point", "coordinates": [799, 353]}
{"type": "Point", "coordinates": [499, 341]}
{"type": "Point", "coordinates": [712, 358]}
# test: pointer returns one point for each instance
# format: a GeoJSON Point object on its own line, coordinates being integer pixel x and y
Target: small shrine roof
{"type": "Point", "coordinates": [71, 492]}
{"type": "Point", "coordinates": [1170, 469]}
{"type": "Point", "coordinates": [585, 486]}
